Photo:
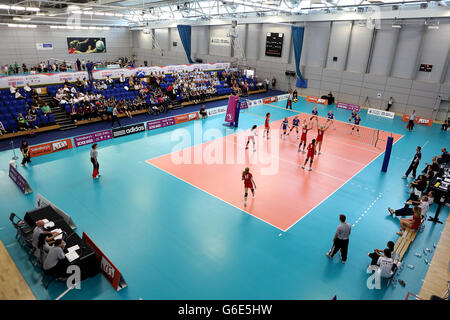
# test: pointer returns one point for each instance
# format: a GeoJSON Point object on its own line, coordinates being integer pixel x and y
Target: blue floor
{"type": "Point", "coordinates": [173, 241]}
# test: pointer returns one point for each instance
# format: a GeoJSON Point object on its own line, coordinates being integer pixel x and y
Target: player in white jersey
{"type": "Point", "coordinates": [251, 137]}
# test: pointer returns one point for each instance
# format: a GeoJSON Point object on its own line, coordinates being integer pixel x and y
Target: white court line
{"type": "Point", "coordinates": [425, 144]}
{"type": "Point", "coordinates": [289, 161]}
{"type": "Point", "coordinates": [214, 196]}
{"type": "Point", "coordinates": [339, 187]}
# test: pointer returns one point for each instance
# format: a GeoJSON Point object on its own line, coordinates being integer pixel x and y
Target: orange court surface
{"type": "Point", "coordinates": [285, 192]}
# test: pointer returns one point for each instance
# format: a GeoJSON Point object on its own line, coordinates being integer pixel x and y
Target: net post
{"type": "Point", "coordinates": [387, 153]}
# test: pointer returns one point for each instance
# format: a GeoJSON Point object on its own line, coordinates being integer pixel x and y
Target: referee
{"type": "Point", "coordinates": [289, 100]}
{"type": "Point", "coordinates": [412, 117]}
{"type": "Point", "coordinates": [414, 164]}
{"type": "Point", "coordinates": [340, 241]}
{"type": "Point", "coordinates": [96, 166]}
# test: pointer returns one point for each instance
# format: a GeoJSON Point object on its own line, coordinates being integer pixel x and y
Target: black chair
{"type": "Point", "coordinates": [23, 229]}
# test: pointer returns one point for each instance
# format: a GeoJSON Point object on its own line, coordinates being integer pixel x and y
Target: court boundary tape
{"type": "Point", "coordinates": [340, 186]}
{"type": "Point", "coordinates": [240, 209]}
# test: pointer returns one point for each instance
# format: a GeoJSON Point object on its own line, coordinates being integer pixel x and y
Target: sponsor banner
{"type": "Point", "coordinates": [217, 41]}
{"type": "Point", "coordinates": [125, 131]}
{"type": "Point", "coordinates": [160, 123]}
{"type": "Point", "coordinates": [381, 113]}
{"type": "Point", "coordinates": [418, 120]}
{"type": "Point", "coordinates": [86, 45]}
{"type": "Point", "coordinates": [109, 270]}
{"type": "Point", "coordinates": [50, 147]}
{"type": "Point", "coordinates": [43, 202]}
{"type": "Point", "coordinates": [44, 46]}
{"type": "Point", "coordinates": [244, 105]}
{"type": "Point", "coordinates": [270, 100]}
{"type": "Point", "coordinates": [61, 77]}
{"type": "Point", "coordinates": [186, 117]}
{"type": "Point", "coordinates": [348, 106]}
{"type": "Point", "coordinates": [92, 138]}
{"type": "Point", "coordinates": [316, 100]}
{"type": "Point", "coordinates": [283, 97]}
{"type": "Point", "coordinates": [218, 110]}
{"type": "Point", "coordinates": [18, 179]}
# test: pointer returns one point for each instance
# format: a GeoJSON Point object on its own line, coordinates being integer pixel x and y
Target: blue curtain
{"type": "Point", "coordinates": [185, 35]}
{"type": "Point", "coordinates": [297, 38]}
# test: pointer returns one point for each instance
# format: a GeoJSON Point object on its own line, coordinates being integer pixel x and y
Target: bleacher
{"type": "Point", "coordinates": [10, 107]}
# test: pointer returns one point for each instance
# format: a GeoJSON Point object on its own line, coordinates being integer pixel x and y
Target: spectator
{"type": "Point", "coordinates": [46, 110]}
{"type": "Point", "coordinates": [341, 240]}
{"type": "Point", "coordinates": [2, 129]}
{"type": "Point", "coordinates": [78, 62]}
{"type": "Point", "coordinates": [18, 95]}
{"type": "Point", "coordinates": [274, 82]}
{"type": "Point", "coordinates": [389, 104]}
{"type": "Point", "coordinates": [54, 263]}
{"type": "Point", "coordinates": [203, 112]}
{"type": "Point", "coordinates": [414, 164]}
{"type": "Point", "coordinates": [413, 223]}
{"type": "Point", "coordinates": [90, 68]}
{"type": "Point", "coordinates": [27, 88]}
{"type": "Point", "coordinates": [13, 89]}
{"type": "Point", "coordinates": [267, 84]}
{"type": "Point", "coordinates": [22, 122]}
{"type": "Point", "coordinates": [444, 126]}
{"type": "Point", "coordinates": [444, 157]}
{"type": "Point", "coordinates": [420, 184]}
{"type": "Point", "coordinates": [31, 120]}
{"type": "Point", "coordinates": [24, 68]}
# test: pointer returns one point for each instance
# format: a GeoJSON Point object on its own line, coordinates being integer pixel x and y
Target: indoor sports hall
{"type": "Point", "coordinates": [155, 109]}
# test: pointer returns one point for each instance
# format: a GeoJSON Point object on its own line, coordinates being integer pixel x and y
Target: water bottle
{"type": "Point", "coordinates": [426, 260]}
{"type": "Point", "coordinates": [417, 254]}
{"type": "Point", "coordinates": [425, 252]}
{"type": "Point", "coordinates": [426, 249]}
{"type": "Point", "coordinates": [434, 245]}
{"type": "Point", "coordinates": [410, 266]}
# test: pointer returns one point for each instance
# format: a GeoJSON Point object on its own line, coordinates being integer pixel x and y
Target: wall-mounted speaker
{"type": "Point", "coordinates": [290, 73]}
{"type": "Point", "coordinates": [198, 60]}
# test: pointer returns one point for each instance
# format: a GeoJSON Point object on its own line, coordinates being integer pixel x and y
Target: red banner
{"type": "Point", "coordinates": [316, 100]}
{"type": "Point", "coordinates": [50, 147]}
{"type": "Point", "coordinates": [109, 270]}
{"type": "Point", "coordinates": [186, 117]}
{"type": "Point", "coordinates": [419, 120]}
{"type": "Point", "coordinates": [270, 100]}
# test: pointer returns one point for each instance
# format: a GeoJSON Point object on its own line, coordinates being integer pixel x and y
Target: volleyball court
{"type": "Point", "coordinates": [285, 192]}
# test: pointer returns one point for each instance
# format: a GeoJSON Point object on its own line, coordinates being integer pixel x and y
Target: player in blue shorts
{"type": "Point", "coordinates": [330, 118]}
{"type": "Point", "coordinates": [314, 113]}
{"type": "Point", "coordinates": [356, 122]}
{"type": "Point", "coordinates": [284, 126]}
{"type": "Point", "coordinates": [295, 123]}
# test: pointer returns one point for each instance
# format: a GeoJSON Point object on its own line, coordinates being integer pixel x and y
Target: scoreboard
{"type": "Point", "coordinates": [274, 44]}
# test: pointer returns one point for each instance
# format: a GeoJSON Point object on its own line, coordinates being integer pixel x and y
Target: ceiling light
{"type": "Point", "coordinates": [398, 26]}
{"type": "Point", "coordinates": [33, 9]}
{"type": "Point", "coordinates": [99, 13]}
{"type": "Point", "coordinates": [4, 7]}
{"type": "Point", "coordinates": [77, 11]}
{"type": "Point", "coordinates": [118, 14]}
{"type": "Point", "coordinates": [21, 19]}
{"type": "Point", "coordinates": [106, 28]}
{"type": "Point", "coordinates": [109, 14]}
{"type": "Point", "coordinates": [88, 12]}
{"type": "Point", "coordinates": [18, 8]}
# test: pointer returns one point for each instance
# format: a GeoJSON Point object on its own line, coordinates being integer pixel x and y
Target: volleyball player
{"type": "Point", "coordinates": [251, 137]}
{"type": "Point", "coordinates": [249, 183]}
{"type": "Point", "coordinates": [330, 118]}
{"type": "Point", "coordinates": [305, 128]}
{"type": "Point", "coordinates": [310, 155]}
{"type": "Point", "coordinates": [295, 123]}
{"type": "Point", "coordinates": [314, 113]}
{"type": "Point", "coordinates": [94, 154]}
{"type": "Point", "coordinates": [267, 126]}
{"type": "Point", "coordinates": [320, 132]}
{"type": "Point", "coordinates": [356, 122]}
{"type": "Point", "coordinates": [353, 115]}
{"type": "Point", "coordinates": [284, 126]}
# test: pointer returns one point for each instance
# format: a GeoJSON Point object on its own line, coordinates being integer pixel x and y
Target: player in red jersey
{"type": "Point", "coordinates": [305, 129]}
{"type": "Point", "coordinates": [249, 183]}
{"type": "Point", "coordinates": [267, 126]}
{"type": "Point", "coordinates": [310, 155]}
{"type": "Point", "coordinates": [320, 132]}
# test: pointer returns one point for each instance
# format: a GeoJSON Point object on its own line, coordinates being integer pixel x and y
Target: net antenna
{"type": "Point", "coordinates": [238, 52]}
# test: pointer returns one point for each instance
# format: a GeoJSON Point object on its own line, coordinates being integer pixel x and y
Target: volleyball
{"type": "Point", "coordinates": [100, 45]}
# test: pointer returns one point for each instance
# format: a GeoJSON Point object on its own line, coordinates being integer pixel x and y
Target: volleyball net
{"type": "Point", "coordinates": [342, 129]}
